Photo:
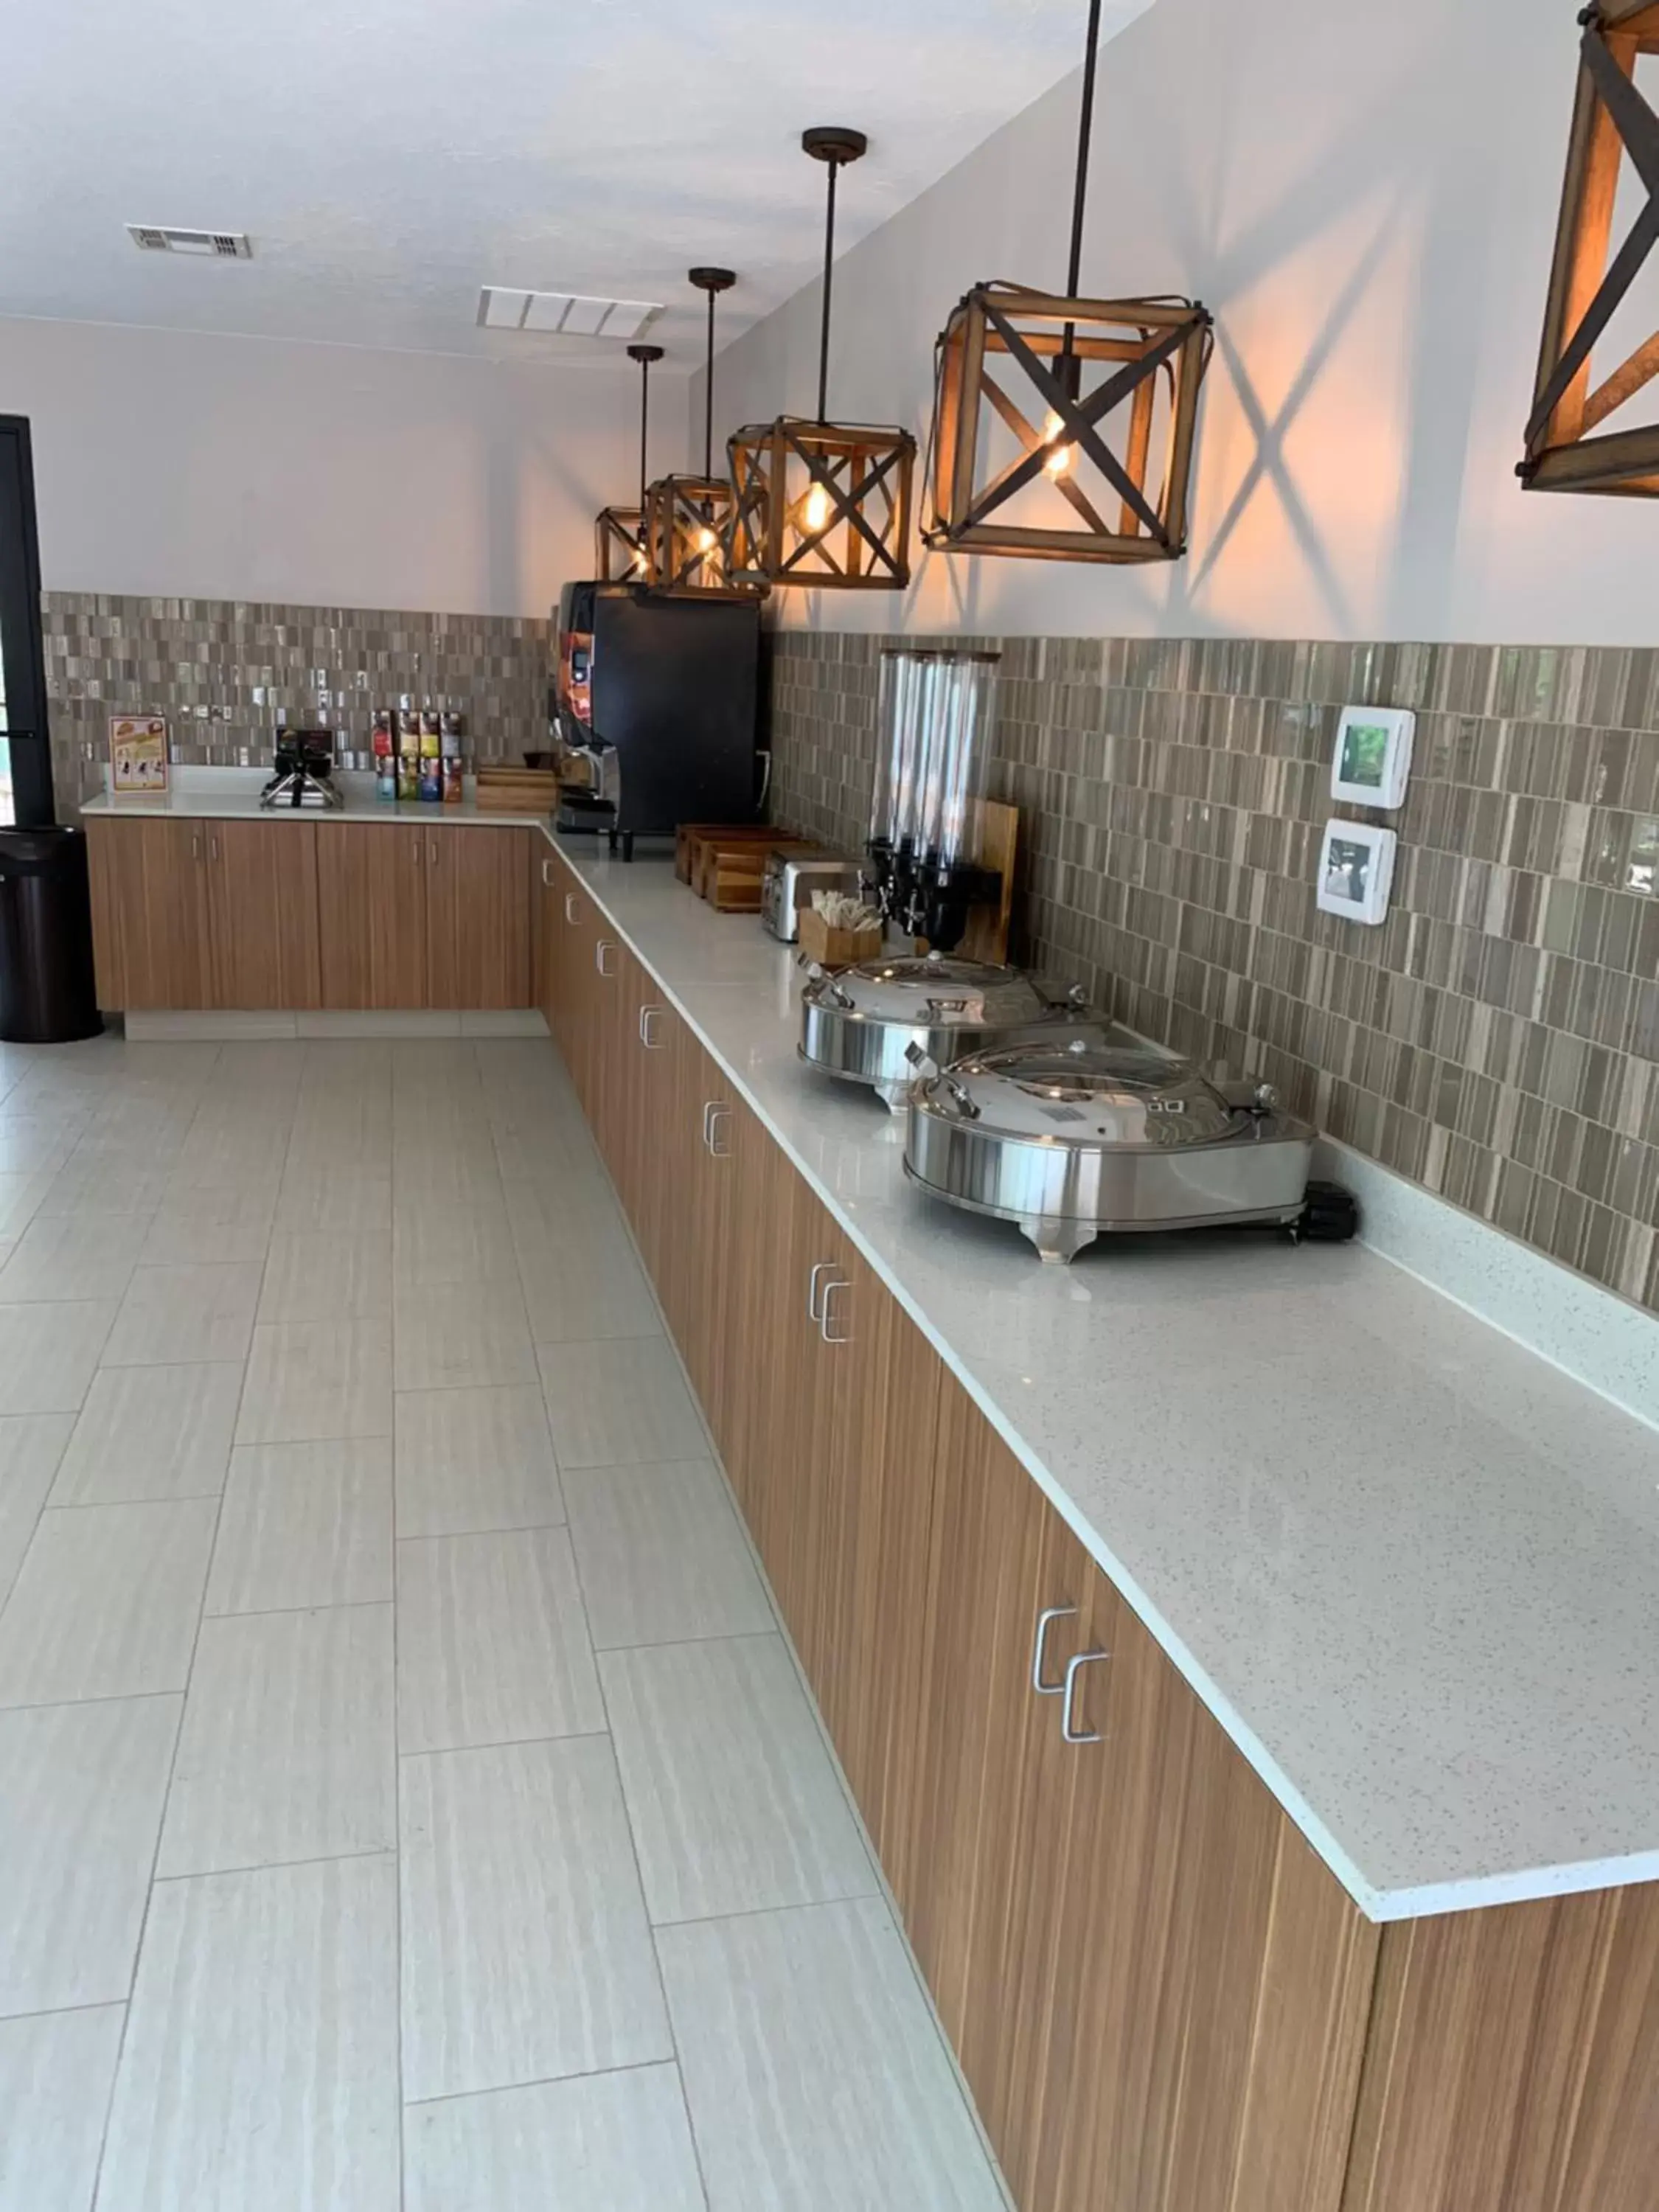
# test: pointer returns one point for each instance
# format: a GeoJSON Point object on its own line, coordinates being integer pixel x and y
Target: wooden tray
{"type": "Point", "coordinates": [516, 790]}
{"type": "Point", "coordinates": [835, 948]}
{"type": "Point", "coordinates": [691, 836]}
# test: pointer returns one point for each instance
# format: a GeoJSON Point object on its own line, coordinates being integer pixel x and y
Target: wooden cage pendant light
{"type": "Point", "coordinates": [1611, 118]}
{"type": "Point", "coordinates": [823, 505]}
{"type": "Point", "coordinates": [621, 554]}
{"type": "Point", "coordinates": [687, 517]}
{"type": "Point", "coordinates": [1002, 470]}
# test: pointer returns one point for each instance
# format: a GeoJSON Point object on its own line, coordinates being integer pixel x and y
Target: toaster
{"type": "Point", "coordinates": [788, 883]}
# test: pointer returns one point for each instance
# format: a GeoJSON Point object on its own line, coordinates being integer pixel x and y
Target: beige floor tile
{"type": "Point", "coordinates": [734, 1804]}
{"type": "Point", "coordinates": [21, 1198]}
{"type": "Point", "coordinates": [662, 1558]}
{"type": "Point", "coordinates": [303, 1524]}
{"type": "Point", "coordinates": [74, 1255]}
{"type": "Point", "coordinates": [105, 1602]}
{"type": "Point", "coordinates": [56, 2070]}
{"type": "Point", "coordinates": [619, 1403]}
{"type": "Point", "coordinates": [436, 1242]}
{"type": "Point", "coordinates": [470, 1460]}
{"type": "Point", "coordinates": [80, 1811]}
{"type": "Point", "coordinates": [605, 2142]}
{"type": "Point", "coordinates": [332, 1197]}
{"type": "Point", "coordinates": [591, 1284]}
{"type": "Point", "coordinates": [471, 1336]}
{"type": "Point", "coordinates": [31, 1451]}
{"type": "Point", "coordinates": [492, 1641]}
{"type": "Point", "coordinates": [259, 2072]}
{"type": "Point", "coordinates": [33, 1143]}
{"type": "Point", "coordinates": [101, 1183]}
{"type": "Point", "coordinates": [288, 1749]}
{"type": "Point", "coordinates": [150, 1432]}
{"type": "Point", "coordinates": [49, 1354]}
{"type": "Point", "coordinates": [211, 1227]}
{"type": "Point", "coordinates": [526, 1954]}
{"type": "Point", "coordinates": [814, 2075]}
{"type": "Point", "coordinates": [171, 1315]}
{"type": "Point", "coordinates": [315, 1275]}
{"type": "Point", "coordinates": [309, 1380]}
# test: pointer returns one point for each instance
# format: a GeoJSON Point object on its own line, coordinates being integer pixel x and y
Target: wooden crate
{"type": "Point", "coordinates": [730, 875]}
{"type": "Point", "coordinates": [837, 948]}
{"type": "Point", "coordinates": [516, 790]}
{"type": "Point", "coordinates": [690, 836]}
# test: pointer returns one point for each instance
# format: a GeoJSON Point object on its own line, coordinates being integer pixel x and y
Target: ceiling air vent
{"type": "Point", "coordinates": [565, 314]}
{"type": "Point", "coordinates": [217, 244]}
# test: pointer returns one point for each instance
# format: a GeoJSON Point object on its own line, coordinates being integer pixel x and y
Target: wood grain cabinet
{"type": "Point", "coordinates": [190, 914]}
{"type": "Point", "coordinates": [372, 900]}
{"type": "Point", "coordinates": [1161, 1997]}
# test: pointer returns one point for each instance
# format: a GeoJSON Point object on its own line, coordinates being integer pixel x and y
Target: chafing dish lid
{"type": "Point", "coordinates": [936, 990]}
{"type": "Point", "coordinates": [1092, 1093]}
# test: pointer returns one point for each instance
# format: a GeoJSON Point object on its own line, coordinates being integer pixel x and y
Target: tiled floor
{"type": "Point", "coordinates": [406, 1797]}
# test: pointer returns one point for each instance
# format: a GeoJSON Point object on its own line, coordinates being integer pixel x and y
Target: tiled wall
{"type": "Point", "coordinates": [226, 673]}
{"type": "Point", "coordinates": [1496, 1038]}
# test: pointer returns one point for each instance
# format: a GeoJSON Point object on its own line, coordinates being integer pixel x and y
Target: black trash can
{"type": "Point", "coordinates": [47, 994]}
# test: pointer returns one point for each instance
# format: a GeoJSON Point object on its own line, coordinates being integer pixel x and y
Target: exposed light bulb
{"type": "Point", "coordinates": [639, 560]}
{"type": "Point", "coordinates": [1058, 460]}
{"type": "Point", "coordinates": [816, 512]}
{"type": "Point", "coordinates": [706, 540]}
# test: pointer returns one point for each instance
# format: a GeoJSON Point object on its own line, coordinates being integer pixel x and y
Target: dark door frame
{"type": "Point", "coordinates": [20, 627]}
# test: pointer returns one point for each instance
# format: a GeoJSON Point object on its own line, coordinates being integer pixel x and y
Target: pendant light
{"type": "Point", "coordinates": [1002, 476]}
{"type": "Point", "coordinates": [821, 504]}
{"type": "Point", "coordinates": [621, 555]}
{"type": "Point", "coordinates": [1613, 116]}
{"type": "Point", "coordinates": [687, 517]}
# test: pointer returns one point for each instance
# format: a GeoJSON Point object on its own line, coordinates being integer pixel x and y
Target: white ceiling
{"type": "Point", "coordinates": [389, 157]}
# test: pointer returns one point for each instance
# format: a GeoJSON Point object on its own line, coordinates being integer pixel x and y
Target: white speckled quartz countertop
{"type": "Point", "coordinates": [232, 795]}
{"type": "Point", "coordinates": [1410, 1567]}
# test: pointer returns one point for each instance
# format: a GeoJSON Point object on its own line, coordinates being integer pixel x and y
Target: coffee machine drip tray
{"type": "Point", "coordinates": [299, 786]}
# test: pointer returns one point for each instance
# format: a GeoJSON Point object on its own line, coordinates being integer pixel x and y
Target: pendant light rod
{"type": "Point", "coordinates": [713, 281]}
{"type": "Point", "coordinates": [834, 145]}
{"type": "Point", "coordinates": [1084, 128]}
{"type": "Point", "coordinates": [645, 355]}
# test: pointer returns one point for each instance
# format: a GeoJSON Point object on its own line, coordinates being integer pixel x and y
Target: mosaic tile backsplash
{"type": "Point", "coordinates": [226, 673]}
{"type": "Point", "coordinates": [1496, 1038]}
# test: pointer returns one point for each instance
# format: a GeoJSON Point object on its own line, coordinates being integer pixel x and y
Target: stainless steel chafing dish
{"type": "Point", "coordinates": [1071, 1137]}
{"type": "Point", "coordinates": [859, 1025]}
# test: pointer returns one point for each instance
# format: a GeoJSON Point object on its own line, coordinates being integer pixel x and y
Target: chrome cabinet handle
{"type": "Point", "coordinates": [647, 1038]}
{"type": "Point", "coordinates": [570, 905]}
{"type": "Point", "coordinates": [415, 852]}
{"type": "Point", "coordinates": [196, 845]}
{"type": "Point", "coordinates": [604, 946]}
{"type": "Point", "coordinates": [1046, 1619]}
{"type": "Point", "coordinates": [823, 1267]}
{"type": "Point", "coordinates": [432, 852]}
{"type": "Point", "coordinates": [547, 875]}
{"type": "Point", "coordinates": [213, 848]}
{"type": "Point", "coordinates": [1069, 1710]}
{"type": "Point", "coordinates": [711, 1115]}
{"type": "Point", "coordinates": [826, 1315]}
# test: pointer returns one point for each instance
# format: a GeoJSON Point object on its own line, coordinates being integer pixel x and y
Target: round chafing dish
{"type": "Point", "coordinates": [1070, 1138]}
{"type": "Point", "coordinates": [859, 1022]}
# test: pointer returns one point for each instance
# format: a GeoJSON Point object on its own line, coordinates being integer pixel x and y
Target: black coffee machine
{"type": "Point", "coordinates": [660, 695]}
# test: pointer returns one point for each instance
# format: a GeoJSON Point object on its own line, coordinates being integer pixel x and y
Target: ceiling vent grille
{"type": "Point", "coordinates": [216, 245]}
{"type": "Point", "coordinates": [564, 315]}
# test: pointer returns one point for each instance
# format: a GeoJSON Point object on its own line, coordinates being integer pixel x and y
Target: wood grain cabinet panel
{"type": "Point", "coordinates": [371, 889]}
{"type": "Point", "coordinates": [262, 905]}
{"type": "Point", "coordinates": [477, 928]}
{"type": "Point", "coordinates": [150, 915]}
{"type": "Point", "coordinates": [1514, 2061]}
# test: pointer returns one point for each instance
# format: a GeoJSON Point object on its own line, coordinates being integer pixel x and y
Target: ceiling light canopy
{"type": "Point", "coordinates": [821, 504]}
{"type": "Point", "coordinates": [564, 315]}
{"type": "Point", "coordinates": [1042, 471]}
{"type": "Point", "coordinates": [688, 519]}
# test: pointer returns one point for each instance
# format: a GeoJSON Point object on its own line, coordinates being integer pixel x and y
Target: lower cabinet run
{"type": "Point", "coordinates": [1162, 1999]}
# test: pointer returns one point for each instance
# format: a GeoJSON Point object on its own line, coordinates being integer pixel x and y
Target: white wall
{"type": "Point", "coordinates": [179, 464]}
{"type": "Point", "coordinates": [1366, 196]}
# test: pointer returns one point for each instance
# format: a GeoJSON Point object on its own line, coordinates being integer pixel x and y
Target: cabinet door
{"type": "Point", "coordinates": [698, 1166]}
{"type": "Point", "coordinates": [859, 1567]}
{"type": "Point", "coordinates": [1157, 1993]}
{"type": "Point", "coordinates": [654, 1161]}
{"type": "Point", "coordinates": [371, 889]}
{"type": "Point", "coordinates": [262, 892]}
{"type": "Point", "coordinates": [150, 914]}
{"type": "Point", "coordinates": [477, 929]}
